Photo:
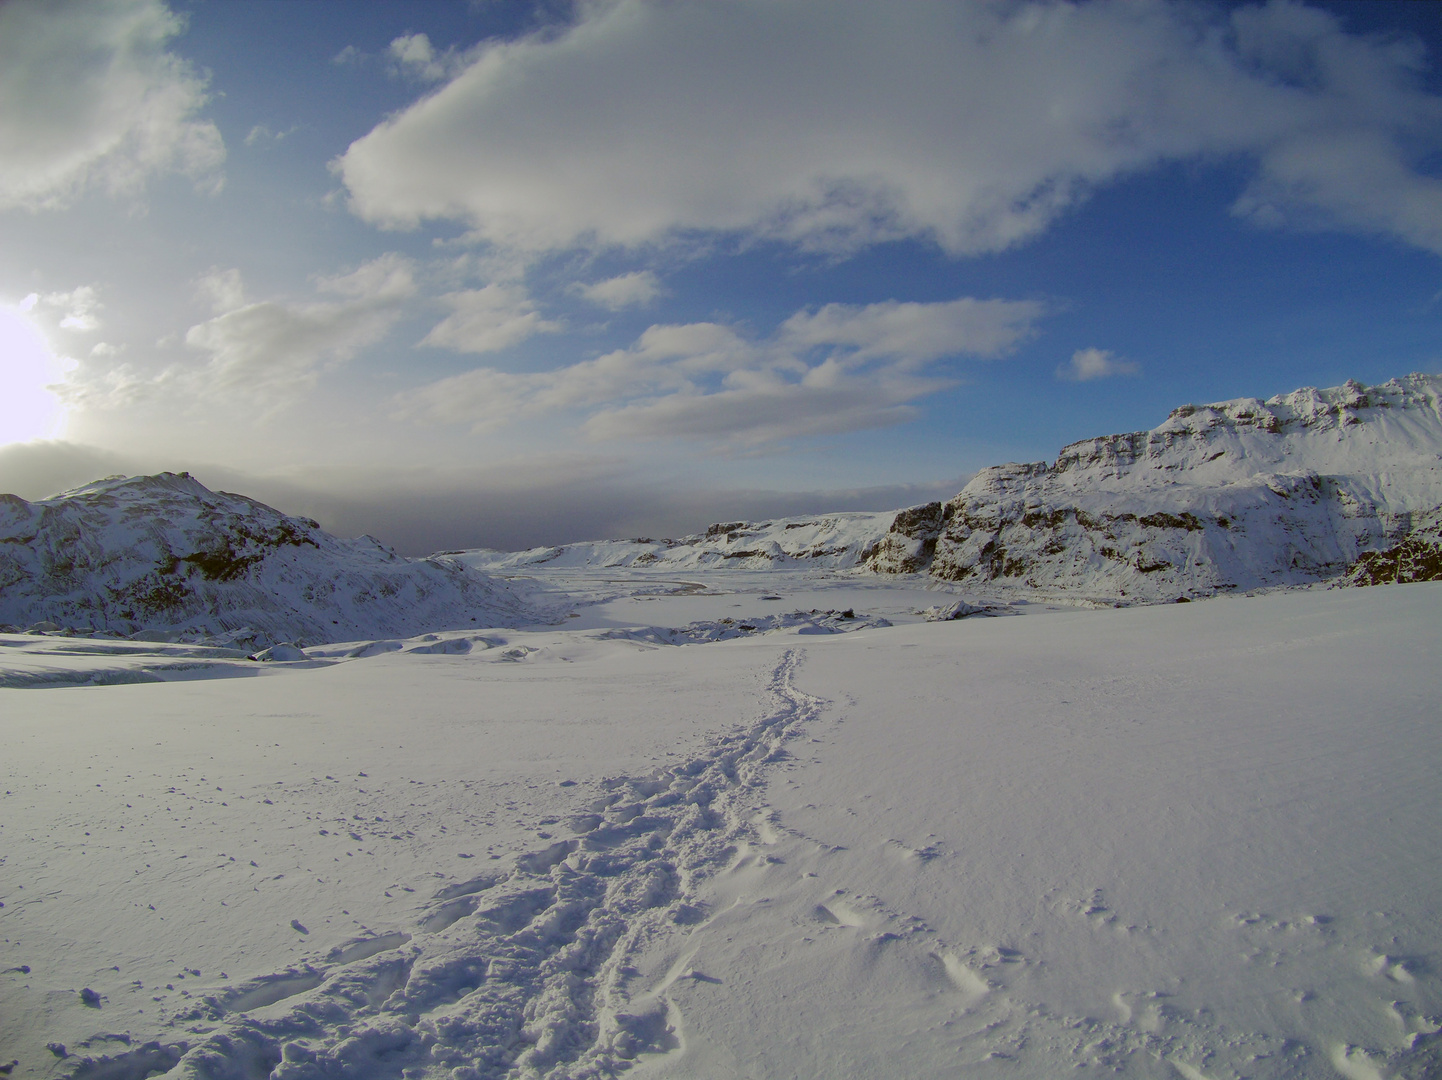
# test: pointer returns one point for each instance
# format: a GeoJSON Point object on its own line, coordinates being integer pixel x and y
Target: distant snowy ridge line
{"type": "Point", "coordinates": [816, 541]}
{"type": "Point", "coordinates": [517, 972]}
{"type": "Point", "coordinates": [1342, 484]}
{"type": "Point", "coordinates": [163, 556]}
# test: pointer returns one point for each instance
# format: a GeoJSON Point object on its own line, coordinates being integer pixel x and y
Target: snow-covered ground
{"type": "Point", "coordinates": [738, 824]}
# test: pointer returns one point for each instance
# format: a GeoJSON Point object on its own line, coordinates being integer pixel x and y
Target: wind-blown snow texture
{"type": "Point", "coordinates": [1238, 495]}
{"type": "Point", "coordinates": [1196, 841]}
{"type": "Point", "coordinates": [165, 553]}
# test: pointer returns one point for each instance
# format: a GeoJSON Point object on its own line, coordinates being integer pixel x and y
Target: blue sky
{"type": "Point", "coordinates": [490, 273]}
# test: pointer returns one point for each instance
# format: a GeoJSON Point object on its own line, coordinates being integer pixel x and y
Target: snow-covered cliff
{"type": "Point", "coordinates": [1315, 484]}
{"type": "Point", "coordinates": [165, 553]}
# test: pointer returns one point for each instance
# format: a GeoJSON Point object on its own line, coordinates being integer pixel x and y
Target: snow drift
{"type": "Point", "coordinates": [166, 554]}
{"type": "Point", "coordinates": [1340, 483]}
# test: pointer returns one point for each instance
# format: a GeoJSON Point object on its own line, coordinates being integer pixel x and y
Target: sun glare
{"type": "Point", "coordinates": [27, 366]}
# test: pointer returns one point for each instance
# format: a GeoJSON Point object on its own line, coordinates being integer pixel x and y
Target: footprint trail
{"type": "Point", "coordinates": [510, 975]}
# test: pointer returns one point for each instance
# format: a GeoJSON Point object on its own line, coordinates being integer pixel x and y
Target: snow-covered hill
{"type": "Point", "coordinates": [1316, 484]}
{"type": "Point", "coordinates": [164, 553]}
{"type": "Point", "coordinates": [827, 542]}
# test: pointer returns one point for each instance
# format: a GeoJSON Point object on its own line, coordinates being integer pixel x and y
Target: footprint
{"type": "Point", "coordinates": [269, 990]}
{"type": "Point", "coordinates": [539, 862]}
{"type": "Point", "coordinates": [469, 888]}
{"type": "Point", "coordinates": [448, 915]}
{"type": "Point", "coordinates": [367, 947]}
{"type": "Point", "coordinates": [148, 1060]}
{"type": "Point", "coordinates": [512, 914]}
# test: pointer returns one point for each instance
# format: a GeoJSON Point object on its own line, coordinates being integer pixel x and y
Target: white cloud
{"type": "Point", "coordinates": [839, 369]}
{"type": "Point", "coordinates": [89, 97]}
{"type": "Point", "coordinates": [416, 58]}
{"type": "Point", "coordinates": [637, 289]}
{"type": "Point", "coordinates": [1088, 364]}
{"type": "Point", "coordinates": [970, 124]}
{"type": "Point", "coordinates": [916, 333]}
{"type": "Point", "coordinates": [223, 289]}
{"type": "Point", "coordinates": [274, 349]}
{"type": "Point", "coordinates": [262, 133]}
{"type": "Point", "coordinates": [72, 310]}
{"type": "Point", "coordinates": [488, 320]}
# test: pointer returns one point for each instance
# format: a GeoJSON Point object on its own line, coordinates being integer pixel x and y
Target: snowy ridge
{"type": "Point", "coordinates": [1241, 494]}
{"type": "Point", "coordinates": [166, 554]}
{"type": "Point", "coordinates": [519, 972]}
{"type": "Point", "coordinates": [825, 542]}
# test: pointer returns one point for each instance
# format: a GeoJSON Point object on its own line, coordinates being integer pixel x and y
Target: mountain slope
{"type": "Point", "coordinates": [165, 553]}
{"type": "Point", "coordinates": [825, 542]}
{"type": "Point", "coordinates": [1242, 494]}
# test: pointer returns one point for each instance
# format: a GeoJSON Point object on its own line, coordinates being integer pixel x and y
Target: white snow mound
{"type": "Point", "coordinates": [166, 557]}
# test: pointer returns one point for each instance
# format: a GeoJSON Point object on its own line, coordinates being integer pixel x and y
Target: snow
{"type": "Point", "coordinates": [855, 795]}
{"type": "Point", "coordinates": [1196, 840]}
{"type": "Point", "coordinates": [826, 541]}
{"type": "Point", "coordinates": [1237, 495]}
{"type": "Point", "coordinates": [164, 556]}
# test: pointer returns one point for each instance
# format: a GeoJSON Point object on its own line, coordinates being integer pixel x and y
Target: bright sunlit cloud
{"type": "Point", "coordinates": [28, 368]}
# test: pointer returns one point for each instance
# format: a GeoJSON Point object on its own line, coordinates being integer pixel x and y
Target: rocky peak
{"type": "Point", "coordinates": [1236, 494]}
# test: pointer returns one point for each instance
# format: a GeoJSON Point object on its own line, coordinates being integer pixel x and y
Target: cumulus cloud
{"type": "Point", "coordinates": [415, 57]}
{"type": "Point", "coordinates": [1088, 364]}
{"type": "Point", "coordinates": [841, 368]}
{"type": "Point", "coordinates": [275, 348]}
{"type": "Point", "coordinates": [637, 289]}
{"type": "Point", "coordinates": [488, 320]}
{"type": "Point", "coordinates": [90, 97]}
{"type": "Point", "coordinates": [973, 125]}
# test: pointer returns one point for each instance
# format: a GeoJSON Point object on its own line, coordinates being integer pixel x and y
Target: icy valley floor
{"type": "Point", "coordinates": [713, 828]}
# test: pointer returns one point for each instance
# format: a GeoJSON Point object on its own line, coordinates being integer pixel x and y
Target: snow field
{"type": "Point", "coordinates": [1196, 840]}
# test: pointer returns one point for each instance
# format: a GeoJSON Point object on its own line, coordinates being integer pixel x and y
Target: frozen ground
{"type": "Point", "coordinates": [1199, 840]}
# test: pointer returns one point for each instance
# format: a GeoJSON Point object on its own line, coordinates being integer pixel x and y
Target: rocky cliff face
{"type": "Point", "coordinates": [1316, 484]}
{"type": "Point", "coordinates": [164, 553]}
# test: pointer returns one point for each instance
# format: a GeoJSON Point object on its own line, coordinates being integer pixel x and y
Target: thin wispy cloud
{"type": "Point", "coordinates": [274, 349]}
{"type": "Point", "coordinates": [488, 319]}
{"type": "Point", "coordinates": [223, 289]}
{"type": "Point", "coordinates": [91, 97]}
{"type": "Point", "coordinates": [841, 368]}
